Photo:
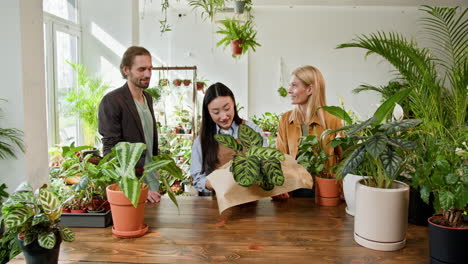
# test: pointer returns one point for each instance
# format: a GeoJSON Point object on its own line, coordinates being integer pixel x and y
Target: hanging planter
{"type": "Point", "coordinates": [200, 86]}
{"type": "Point", "coordinates": [239, 7]}
{"type": "Point", "coordinates": [236, 48]}
{"type": "Point", "coordinates": [187, 82]}
{"type": "Point", "coordinates": [177, 82]}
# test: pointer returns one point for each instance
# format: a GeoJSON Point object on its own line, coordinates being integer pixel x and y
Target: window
{"type": "Point", "coordinates": [62, 44]}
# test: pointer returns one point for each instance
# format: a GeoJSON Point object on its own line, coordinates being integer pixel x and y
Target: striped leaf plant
{"type": "Point", "coordinates": [253, 163]}
{"type": "Point", "coordinates": [123, 165]}
{"type": "Point", "coordinates": [35, 216]}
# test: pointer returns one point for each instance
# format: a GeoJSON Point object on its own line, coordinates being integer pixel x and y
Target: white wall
{"type": "Point", "coordinates": [308, 35]}
{"type": "Point", "coordinates": [22, 69]}
{"type": "Point", "coordinates": [106, 34]}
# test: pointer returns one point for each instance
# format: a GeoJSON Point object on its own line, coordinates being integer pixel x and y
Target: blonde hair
{"type": "Point", "coordinates": [313, 78]}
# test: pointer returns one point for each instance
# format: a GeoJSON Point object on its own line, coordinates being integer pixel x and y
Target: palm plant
{"type": "Point", "coordinates": [84, 101]}
{"type": "Point", "coordinates": [438, 79]}
{"type": "Point", "coordinates": [9, 138]}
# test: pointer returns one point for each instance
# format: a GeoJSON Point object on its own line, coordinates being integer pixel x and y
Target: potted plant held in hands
{"type": "Point", "coordinates": [34, 219]}
{"type": "Point", "coordinates": [128, 196]}
{"type": "Point", "coordinates": [240, 35]}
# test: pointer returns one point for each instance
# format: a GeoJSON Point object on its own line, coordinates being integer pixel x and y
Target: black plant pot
{"type": "Point", "coordinates": [418, 210]}
{"type": "Point", "coordinates": [35, 254]}
{"type": "Point", "coordinates": [447, 244]}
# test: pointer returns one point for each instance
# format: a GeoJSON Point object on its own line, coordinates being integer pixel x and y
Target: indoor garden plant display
{"type": "Point", "coordinates": [128, 196]}
{"type": "Point", "coordinates": [34, 218]}
{"type": "Point", "coordinates": [240, 35]}
{"type": "Point", "coordinates": [313, 157]}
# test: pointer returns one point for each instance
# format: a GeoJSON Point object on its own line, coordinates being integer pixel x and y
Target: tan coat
{"type": "Point", "coordinates": [289, 133]}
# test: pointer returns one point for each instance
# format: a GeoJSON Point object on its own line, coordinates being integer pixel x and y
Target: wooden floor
{"type": "Point", "coordinates": [295, 231]}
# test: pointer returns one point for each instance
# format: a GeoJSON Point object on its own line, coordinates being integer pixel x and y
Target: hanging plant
{"type": "Point", "coordinates": [240, 35]}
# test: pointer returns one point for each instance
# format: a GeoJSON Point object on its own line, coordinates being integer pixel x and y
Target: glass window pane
{"type": "Point", "coordinates": [65, 9]}
{"type": "Point", "coordinates": [66, 50]}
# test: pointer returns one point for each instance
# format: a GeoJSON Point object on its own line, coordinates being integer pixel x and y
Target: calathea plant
{"type": "Point", "coordinates": [35, 216]}
{"type": "Point", "coordinates": [252, 163]}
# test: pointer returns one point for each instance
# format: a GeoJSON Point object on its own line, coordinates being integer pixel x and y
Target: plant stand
{"type": "Point", "coordinates": [381, 218]}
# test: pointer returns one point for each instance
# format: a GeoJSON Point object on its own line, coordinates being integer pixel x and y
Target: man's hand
{"type": "Point", "coordinates": [153, 197]}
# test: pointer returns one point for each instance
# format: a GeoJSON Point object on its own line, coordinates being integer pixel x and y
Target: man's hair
{"type": "Point", "coordinates": [130, 53]}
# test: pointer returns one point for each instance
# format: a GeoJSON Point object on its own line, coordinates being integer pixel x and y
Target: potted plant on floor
{"type": "Point", "coordinates": [448, 233]}
{"type": "Point", "coordinates": [33, 217]}
{"type": "Point", "coordinates": [381, 220]}
{"type": "Point", "coordinates": [240, 35]}
{"type": "Point", "coordinates": [127, 197]}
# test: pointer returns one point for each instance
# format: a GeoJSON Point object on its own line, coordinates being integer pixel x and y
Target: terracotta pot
{"type": "Point", "coordinates": [128, 220]}
{"type": "Point", "coordinates": [447, 244]}
{"type": "Point", "coordinates": [177, 82]}
{"type": "Point", "coordinates": [381, 217]}
{"type": "Point", "coordinates": [187, 82]}
{"type": "Point", "coordinates": [65, 210]}
{"type": "Point", "coordinates": [349, 190]}
{"type": "Point", "coordinates": [200, 86]}
{"type": "Point", "coordinates": [236, 49]}
{"type": "Point", "coordinates": [327, 192]}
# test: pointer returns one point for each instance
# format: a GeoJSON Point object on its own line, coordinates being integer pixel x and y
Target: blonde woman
{"type": "Point", "coordinates": [307, 93]}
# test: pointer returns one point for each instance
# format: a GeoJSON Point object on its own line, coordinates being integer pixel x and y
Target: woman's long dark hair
{"type": "Point", "coordinates": [208, 127]}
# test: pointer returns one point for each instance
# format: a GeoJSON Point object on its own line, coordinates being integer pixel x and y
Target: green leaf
{"type": "Point", "coordinates": [358, 127]}
{"type": "Point", "coordinates": [38, 219]}
{"type": "Point", "coordinates": [228, 141]}
{"type": "Point", "coordinates": [402, 143]}
{"type": "Point", "coordinates": [265, 153]}
{"type": "Point", "coordinates": [376, 145]}
{"type": "Point", "coordinates": [245, 169]}
{"type": "Point", "coordinates": [170, 167]}
{"type": "Point", "coordinates": [128, 155]}
{"type": "Point", "coordinates": [170, 193]}
{"type": "Point", "coordinates": [425, 192]}
{"type": "Point", "coordinates": [447, 199]}
{"type": "Point", "coordinates": [391, 162]}
{"type": "Point", "coordinates": [265, 185]}
{"type": "Point", "coordinates": [46, 240]}
{"type": "Point", "coordinates": [353, 160]}
{"type": "Point", "coordinates": [451, 178]}
{"type": "Point", "coordinates": [338, 112]}
{"type": "Point", "coordinates": [387, 107]}
{"type": "Point", "coordinates": [23, 197]}
{"type": "Point", "coordinates": [17, 217]}
{"type": "Point", "coordinates": [67, 234]}
{"type": "Point", "coordinates": [397, 126]}
{"type": "Point", "coordinates": [249, 137]}
{"type": "Point", "coordinates": [272, 171]}
{"type": "Point", "coordinates": [131, 187]}
{"type": "Point", "coordinates": [29, 237]}
{"type": "Point", "coordinates": [50, 204]}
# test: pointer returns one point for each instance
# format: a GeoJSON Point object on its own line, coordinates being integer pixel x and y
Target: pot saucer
{"type": "Point", "coordinates": [130, 234]}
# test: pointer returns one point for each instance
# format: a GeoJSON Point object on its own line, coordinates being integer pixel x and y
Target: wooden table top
{"type": "Point", "coordinates": [266, 231]}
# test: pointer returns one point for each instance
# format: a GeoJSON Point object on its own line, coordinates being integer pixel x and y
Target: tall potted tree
{"type": "Point", "coordinates": [33, 217]}
{"type": "Point", "coordinates": [127, 197]}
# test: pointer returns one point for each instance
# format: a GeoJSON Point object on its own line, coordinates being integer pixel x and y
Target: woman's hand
{"type": "Point", "coordinates": [208, 185]}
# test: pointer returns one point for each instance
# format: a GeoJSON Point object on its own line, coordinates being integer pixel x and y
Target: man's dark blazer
{"type": "Point", "coordinates": [119, 121]}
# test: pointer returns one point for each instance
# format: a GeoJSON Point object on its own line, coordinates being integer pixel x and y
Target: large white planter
{"type": "Point", "coordinates": [381, 217]}
{"type": "Point", "coordinates": [349, 190]}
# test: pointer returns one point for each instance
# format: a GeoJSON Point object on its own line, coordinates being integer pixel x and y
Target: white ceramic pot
{"type": "Point", "coordinates": [349, 190]}
{"type": "Point", "coordinates": [381, 217]}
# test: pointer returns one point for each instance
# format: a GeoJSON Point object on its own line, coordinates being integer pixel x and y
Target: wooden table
{"type": "Point", "coordinates": [294, 231]}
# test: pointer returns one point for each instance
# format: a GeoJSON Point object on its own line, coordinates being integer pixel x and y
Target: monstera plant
{"type": "Point", "coordinates": [252, 163]}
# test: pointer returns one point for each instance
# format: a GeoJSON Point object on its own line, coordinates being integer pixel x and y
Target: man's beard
{"type": "Point", "coordinates": [138, 83]}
